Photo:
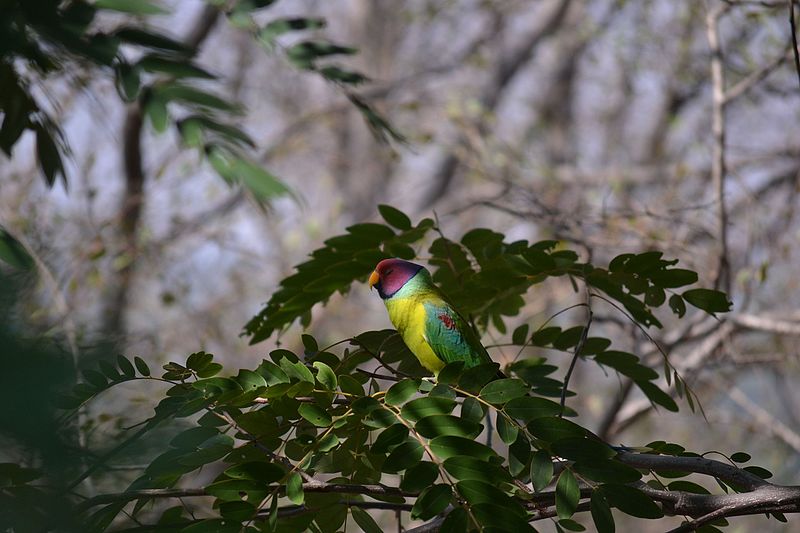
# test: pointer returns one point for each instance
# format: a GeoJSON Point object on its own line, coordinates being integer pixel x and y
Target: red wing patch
{"type": "Point", "coordinates": [447, 320]}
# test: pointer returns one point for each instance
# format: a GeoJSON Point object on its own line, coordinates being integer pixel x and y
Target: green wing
{"type": "Point", "coordinates": [451, 337]}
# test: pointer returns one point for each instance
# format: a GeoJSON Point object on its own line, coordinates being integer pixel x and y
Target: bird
{"type": "Point", "coordinates": [427, 321]}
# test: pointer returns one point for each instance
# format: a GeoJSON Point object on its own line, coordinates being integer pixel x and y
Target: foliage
{"type": "Point", "coordinates": [154, 71]}
{"type": "Point", "coordinates": [309, 441]}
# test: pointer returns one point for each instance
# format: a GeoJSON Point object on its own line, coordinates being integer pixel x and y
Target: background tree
{"type": "Point", "coordinates": [617, 127]}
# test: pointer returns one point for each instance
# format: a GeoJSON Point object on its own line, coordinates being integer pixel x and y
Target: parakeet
{"type": "Point", "coordinates": [429, 324]}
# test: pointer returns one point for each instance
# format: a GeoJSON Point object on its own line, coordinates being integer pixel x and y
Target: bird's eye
{"type": "Point", "coordinates": [388, 272]}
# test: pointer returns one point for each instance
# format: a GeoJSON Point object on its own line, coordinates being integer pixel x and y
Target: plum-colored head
{"type": "Point", "coordinates": [391, 274]}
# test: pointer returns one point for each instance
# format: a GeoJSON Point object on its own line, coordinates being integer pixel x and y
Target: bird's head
{"type": "Point", "coordinates": [391, 274]}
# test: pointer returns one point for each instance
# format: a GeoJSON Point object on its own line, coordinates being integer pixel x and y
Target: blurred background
{"type": "Point", "coordinates": [615, 126]}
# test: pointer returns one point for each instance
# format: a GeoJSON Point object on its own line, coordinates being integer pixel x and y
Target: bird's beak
{"type": "Point", "coordinates": [373, 279]}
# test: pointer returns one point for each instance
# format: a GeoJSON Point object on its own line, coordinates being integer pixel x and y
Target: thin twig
{"type": "Point", "coordinates": [795, 51]}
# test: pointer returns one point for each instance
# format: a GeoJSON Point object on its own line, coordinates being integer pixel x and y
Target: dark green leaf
{"type": "Point", "coordinates": [48, 155]}
{"type": "Point", "coordinates": [13, 253]}
{"type": "Point", "coordinates": [552, 429]}
{"type": "Point", "coordinates": [141, 366]}
{"type": "Point", "coordinates": [417, 409]}
{"type": "Point", "coordinates": [395, 217]}
{"type": "Point", "coordinates": [657, 396]}
{"type": "Point", "coordinates": [677, 305]}
{"type": "Point", "coordinates": [449, 446]}
{"type": "Point", "coordinates": [438, 425]}
{"type": "Point", "coordinates": [541, 469]}
{"type": "Point", "coordinates": [315, 414]}
{"type": "Point", "coordinates": [503, 390]}
{"type": "Point", "coordinates": [137, 7]}
{"type": "Point", "coordinates": [527, 408]}
{"type": "Point", "coordinates": [582, 449]}
{"type": "Point", "coordinates": [763, 473]}
{"type": "Point", "coordinates": [567, 494]}
{"type": "Point", "coordinates": [125, 366]}
{"type": "Point", "coordinates": [465, 467]}
{"type": "Point", "coordinates": [178, 68]}
{"type": "Point", "coordinates": [431, 502]}
{"type": "Point", "coordinates": [365, 520]}
{"type": "Point", "coordinates": [507, 430]}
{"type": "Point", "coordinates": [390, 437]}
{"type": "Point", "coordinates": [456, 522]}
{"type": "Point", "coordinates": [631, 501]}
{"type": "Point", "coordinates": [419, 476]}
{"type": "Point", "coordinates": [326, 376]}
{"type": "Point", "coordinates": [740, 457]}
{"type": "Point", "coordinates": [256, 470]}
{"type": "Point", "coordinates": [520, 335]}
{"type": "Point", "coordinates": [294, 489]}
{"type": "Point", "coordinates": [601, 513]}
{"type": "Point", "coordinates": [708, 300]}
{"type": "Point", "coordinates": [401, 391]}
{"type": "Point", "coordinates": [404, 456]}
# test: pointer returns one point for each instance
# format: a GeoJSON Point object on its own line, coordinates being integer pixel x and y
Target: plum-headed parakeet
{"type": "Point", "coordinates": [429, 324]}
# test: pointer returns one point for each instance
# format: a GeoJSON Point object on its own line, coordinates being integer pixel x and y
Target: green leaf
{"type": "Point", "coordinates": [137, 7]}
{"type": "Point", "coordinates": [365, 520]}
{"type": "Point", "coordinates": [190, 95]}
{"type": "Point", "coordinates": [415, 410]}
{"type": "Point", "coordinates": [677, 305]}
{"type": "Point", "coordinates": [13, 253]}
{"type": "Point", "coordinates": [156, 109]}
{"type": "Point", "coordinates": [456, 522]}
{"type": "Point", "coordinates": [508, 431]}
{"type": "Point", "coordinates": [673, 278]}
{"type": "Point", "coordinates": [528, 408]}
{"type": "Point", "coordinates": [235, 512]}
{"type": "Point", "coordinates": [256, 470]}
{"type": "Point", "coordinates": [551, 429]}
{"type": "Point", "coordinates": [520, 335]}
{"type": "Point", "coordinates": [48, 154]}
{"type": "Point", "coordinates": [148, 38]}
{"type": "Point", "coordinates": [465, 467]}
{"type": "Point", "coordinates": [449, 446]}
{"type": "Point", "coordinates": [395, 217]}
{"type": "Point", "coordinates": [582, 449]}
{"type": "Point", "coordinates": [437, 425]}
{"type": "Point", "coordinates": [740, 457]}
{"type": "Point", "coordinates": [657, 396]}
{"type": "Point", "coordinates": [401, 391]}
{"type": "Point", "coordinates": [172, 66]}
{"type": "Point", "coordinates": [601, 513]}
{"type": "Point", "coordinates": [708, 300]}
{"type": "Point", "coordinates": [419, 476]}
{"type": "Point", "coordinates": [431, 502]}
{"type": "Point", "coordinates": [541, 469]}
{"type": "Point", "coordinates": [763, 473]}
{"type": "Point", "coordinates": [390, 437]}
{"type": "Point", "coordinates": [472, 410]}
{"type": "Point", "coordinates": [125, 366]}
{"type": "Point", "coordinates": [404, 456]}
{"type": "Point", "coordinates": [276, 28]}
{"type": "Point", "coordinates": [503, 390]}
{"type": "Point", "coordinates": [568, 494]}
{"type": "Point", "coordinates": [326, 376]}
{"type": "Point", "coordinates": [631, 501]}
{"type": "Point", "coordinates": [315, 414]}
{"type": "Point", "coordinates": [305, 53]}
{"type": "Point", "coordinates": [294, 489]}
{"type": "Point", "coordinates": [141, 366]}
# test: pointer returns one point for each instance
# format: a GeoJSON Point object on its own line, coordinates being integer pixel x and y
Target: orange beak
{"type": "Point", "coordinates": [373, 279]}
